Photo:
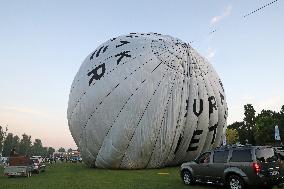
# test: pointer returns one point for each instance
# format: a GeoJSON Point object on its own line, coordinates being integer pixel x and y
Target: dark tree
{"type": "Point", "coordinates": [264, 127]}
{"type": "Point", "coordinates": [240, 127]}
{"type": "Point", "coordinates": [50, 151]}
{"type": "Point", "coordinates": [69, 150]}
{"type": "Point", "coordinates": [10, 142]}
{"type": "Point", "coordinates": [25, 145]}
{"type": "Point", "coordinates": [44, 152]}
{"type": "Point", "coordinates": [61, 149]}
{"type": "Point", "coordinates": [37, 148]}
{"type": "Point", "coordinates": [16, 143]}
{"type": "Point", "coordinates": [249, 123]}
{"type": "Point", "coordinates": [3, 134]}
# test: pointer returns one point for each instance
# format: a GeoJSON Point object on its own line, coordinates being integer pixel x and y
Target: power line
{"type": "Point", "coordinates": [260, 8]}
{"type": "Point", "coordinates": [217, 29]}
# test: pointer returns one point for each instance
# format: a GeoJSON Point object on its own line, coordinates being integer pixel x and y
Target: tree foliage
{"type": "Point", "coordinates": [249, 123]}
{"type": "Point", "coordinates": [61, 149]}
{"type": "Point", "coordinates": [69, 150]}
{"type": "Point", "coordinates": [3, 133]}
{"type": "Point", "coordinates": [232, 136]}
{"type": "Point", "coordinates": [259, 129]}
{"type": "Point", "coordinates": [10, 142]}
{"type": "Point", "coordinates": [264, 128]}
{"type": "Point", "coordinates": [37, 148]}
{"type": "Point", "coordinates": [24, 145]}
{"type": "Point", "coordinates": [50, 151]}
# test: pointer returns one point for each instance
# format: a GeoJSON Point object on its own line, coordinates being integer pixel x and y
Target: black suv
{"type": "Point", "coordinates": [236, 167]}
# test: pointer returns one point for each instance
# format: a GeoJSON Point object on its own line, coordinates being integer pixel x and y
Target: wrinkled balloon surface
{"type": "Point", "coordinates": [145, 100]}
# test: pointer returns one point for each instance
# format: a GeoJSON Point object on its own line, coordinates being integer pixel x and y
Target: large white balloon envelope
{"type": "Point", "coordinates": [145, 101]}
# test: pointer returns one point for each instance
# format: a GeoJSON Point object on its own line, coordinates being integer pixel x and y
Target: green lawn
{"type": "Point", "coordinates": [76, 175]}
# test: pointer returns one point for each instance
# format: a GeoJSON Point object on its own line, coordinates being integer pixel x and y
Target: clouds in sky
{"type": "Point", "coordinates": [51, 127]}
{"type": "Point", "coordinates": [210, 53]}
{"type": "Point", "coordinates": [220, 17]}
{"type": "Point", "coordinates": [236, 111]}
{"type": "Point", "coordinates": [25, 110]}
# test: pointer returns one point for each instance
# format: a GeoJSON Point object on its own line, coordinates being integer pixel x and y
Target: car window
{"type": "Point", "coordinates": [265, 155]}
{"type": "Point", "coordinates": [204, 158]}
{"type": "Point", "coordinates": [220, 156]}
{"type": "Point", "coordinates": [241, 156]}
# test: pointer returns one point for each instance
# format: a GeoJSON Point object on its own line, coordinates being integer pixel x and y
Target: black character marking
{"type": "Point", "coordinates": [121, 55]}
{"type": "Point", "coordinates": [221, 85]}
{"type": "Point", "coordinates": [95, 73]}
{"type": "Point", "coordinates": [222, 98]}
{"type": "Point", "coordinates": [92, 56]}
{"type": "Point", "coordinates": [122, 43]}
{"type": "Point", "coordinates": [213, 128]}
{"type": "Point", "coordinates": [212, 104]}
{"type": "Point", "coordinates": [200, 107]}
{"type": "Point", "coordinates": [194, 140]}
{"type": "Point", "coordinates": [112, 39]}
{"type": "Point", "coordinates": [186, 108]}
{"type": "Point", "coordinates": [97, 53]}
{"type": "Point", "coordinates": [178, 144]}
{"type": "Point", "coordinates": [104, 50]}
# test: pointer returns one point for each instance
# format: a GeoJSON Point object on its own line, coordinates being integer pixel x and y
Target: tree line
{"type": "Point", "coordinates": [256, 129]}
{"type": "Point", "coordinates": [23, 145]}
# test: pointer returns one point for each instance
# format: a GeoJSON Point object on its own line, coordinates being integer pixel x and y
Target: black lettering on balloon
{"type": "Point", "coordinates": [220, 82]}
{"type": "Point", "coordinates": [104, 50]}
{"type": "Point", "coordinates": [186, 108]}
{"type": "Point", "coordinates": [112, 39]}
{"type": "Point", "coordinates": [213, 128]}
{"type": "Point", "coordinates": [95, 74]}
{"type": "Point", "coordinates": [178, 144]}
{"type": "Point", "coordinates": [222, 98]}
{"type": "Point", "coordinates": [121, 55]}
{"type": "Point", "coordinates": [122, 43]}
{"type": "Point", "coordinates": [194, 140]}
{"type": "Point", "coordinates": [92, 56]}
{"type": "Point", "coordinates": [200, 107]}
{"type": "Point", "coordinates": [212, 104]}
{"type": "Point", "coordinates": [226, 114]}
{"type": "Point", "coordinates": [97, 53]}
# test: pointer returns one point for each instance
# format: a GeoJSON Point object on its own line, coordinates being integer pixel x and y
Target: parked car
{"type": "Point", "coordinates": [74, 159]}
{"type": "Point", "coordinates": [18, 166]}
{"type": "Point", "coordinates": [4, 161]}
{"type": "Point", "coordinates": [38, 165]}
{"type": "Point", "coordinates": [280, 152]}
{"type": "Point", "coordinates": [236, 167]}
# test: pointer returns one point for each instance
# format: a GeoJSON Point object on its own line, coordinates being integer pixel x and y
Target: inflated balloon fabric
{"type": "Point", "coordinates": [145, 100]}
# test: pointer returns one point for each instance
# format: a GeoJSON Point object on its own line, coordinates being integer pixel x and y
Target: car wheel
{"type": "Point", "coordinates": [236, 182]}
{"type": "Point", "coordinates": [187, 178]}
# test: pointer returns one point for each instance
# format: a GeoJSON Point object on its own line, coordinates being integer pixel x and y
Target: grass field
{"type": "Point", "coordinates": [78, 176]}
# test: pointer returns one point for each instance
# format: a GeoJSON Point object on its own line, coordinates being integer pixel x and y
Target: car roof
{"type": "Point", "coordinates": [242, 147]}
